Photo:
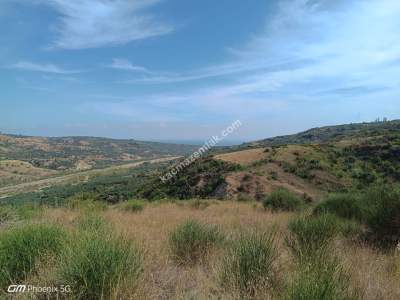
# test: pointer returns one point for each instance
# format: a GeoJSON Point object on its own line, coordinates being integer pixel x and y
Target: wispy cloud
{"type": "Point", "coordinates": [99, 23]}
{"type": "Point", "coordinates": [310, 52]}
{"type": "Point", "coordinates": [126, 65]}
{"type": "Point", "coordinates": [46, 68]}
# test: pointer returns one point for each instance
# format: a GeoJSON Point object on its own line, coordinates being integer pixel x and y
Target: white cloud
{"type": "Point", "coordinates": [99, 23]}
{"type": "Point", "coordinates": [126, 65]}
{"type": "Point", "coordinates": [46, 68]}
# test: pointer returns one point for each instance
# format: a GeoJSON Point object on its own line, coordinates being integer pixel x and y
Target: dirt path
{"type": "Point", "coordinates": [71, 178]}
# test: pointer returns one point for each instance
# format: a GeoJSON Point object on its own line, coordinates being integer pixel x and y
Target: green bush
{"type": "Point", "coordinates": [85, 201]}
{"type": "Point", "coordinates": [310, 235]}
{"type": "Point", "coordinates": [249, 262]}
{"type": "Point", "coordinates": [343, 205]}
{"type": "Point", "coordinates": [383, 214]}
{"type": "Point", "coordinates": [22, 247]}
{"type": "Point", "coordinates": [191, 241]}
{"type": "Point", "coordinates": [133, 205]}
{"type": "Point", "coordinates": [99, 265]}
{"type": "Point", "coordinates": [324, 279]}
{"type": "Point", "coordinates": [282, 200]}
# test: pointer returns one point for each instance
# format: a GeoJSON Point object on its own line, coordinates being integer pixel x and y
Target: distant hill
{"type": "Point", "coordinates": [330, 134]}
{"type": "Point", "coordinates": [27, 158]}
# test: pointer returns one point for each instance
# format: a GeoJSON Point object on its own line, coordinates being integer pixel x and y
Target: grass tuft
{"type": "Point", "coordinates": [99, 265]}
{"type": "Point", "coordinates": [22, 247]}
{"type": "Point", "coordinates": [249, 262]}
{"type": "Point", "coordinates": [323, 279]}
{"type": "Point", "coordinates": [310, 235]}
{"type": "Point", "coordinates": [191, 241]}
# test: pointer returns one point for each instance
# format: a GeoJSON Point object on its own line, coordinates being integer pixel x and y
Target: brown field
{"type": "Point", "coordinates": [372, 273]}
{"type": "Point", "coordinates": [245, 157]}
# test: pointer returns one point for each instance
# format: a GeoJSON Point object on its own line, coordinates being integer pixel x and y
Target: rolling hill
{"type": "Point", "coordinates": [26, 158]}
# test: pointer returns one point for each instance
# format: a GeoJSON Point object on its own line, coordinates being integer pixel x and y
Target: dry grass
{"type": "Point", "coordinates": [373, 273]}
{"type": "Point", "coordinates": [245, 157]}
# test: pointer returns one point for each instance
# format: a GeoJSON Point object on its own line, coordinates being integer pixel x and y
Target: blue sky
{"type": "Point", "coordinates": [184, 70]}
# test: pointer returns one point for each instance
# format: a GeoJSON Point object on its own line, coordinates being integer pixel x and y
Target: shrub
{"type": "Point", "coordinates": [343, 205]}
{"type": "Point", "coordinates": [22, 247]}
{"type": "Point", "coordinates": [133, 205]}
{"type": "Point", "coordinates": [249, 262]}
{"type": "Point", "coordinates": [102, 267]}
{"type": "Point", "coordinates": [191, 241]}
{"type": "Point", "coordinates": [85, 201]}
{"type": "Point", "coordinates": [383, 214]}
{"type": "Point", "coordinates": [324, 279]}
{"type": "Point", "coordinates": [309, 235]}
{"type": "Point", "coordinates": [282, 199]}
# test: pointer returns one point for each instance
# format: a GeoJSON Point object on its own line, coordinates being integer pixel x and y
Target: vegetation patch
{"type": "Point", "coordinates": [345, 205]}
{"type": "Point", "coordinates": [308, 237]}
{"type": "Point", "coordinates": [282, 200]}
{"type": "Point", "coordinates": [191, 241]}
{"type": "Point", "coordinates": [133, 205]}
{"type": "Point", "coordinates": [22, 247]}
{"type": "Point", "coordinates": [322, 279]}
{"type": "Point", "coordinates": [249, 262]}
{"type": "Point", "coordinates": [99, 265]}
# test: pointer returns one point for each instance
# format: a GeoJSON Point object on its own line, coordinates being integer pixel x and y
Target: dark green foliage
{"type": "Point", "coordinates": [345, 205]}
{"type": "Point", "coordinates": [249, 262]}
{"type": "Point", "coordinates": [191, 241]}
{"type": "Point", "coordinates": [200, 179]}
{"type": "Point", "coordinates": [111, 188]}
{"type": "Point", "coordinates": [282, 200]}
{"type": "Point", "coordinates": [309, 236]}
{"type": "Point", "coordinates": [21, 248]}
{"type": "Point", "coordinates": [383, 214]}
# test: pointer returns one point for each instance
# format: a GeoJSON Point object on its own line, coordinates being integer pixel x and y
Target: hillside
{"type": "Point", "coordinates": [310, 164]}
{"type": "Point", "coordinates": [25, 158]}
{"type": "Point", "coordinates": [331, 134]}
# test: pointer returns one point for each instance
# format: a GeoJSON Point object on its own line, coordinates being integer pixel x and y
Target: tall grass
{"type": "Point", "coordinates": [249, 262]}
{"type": "Point", "coordinates": [323, 279]}
{"type": "Point", "coordinates": [22, 247]}
{"type": "Point", "coordinates": [97, 264]}
{"type": "Point", "coordinates": [191, 241]}
{"type": "Point", "coordinates": [309, 235]}
{"type": "Point", "coordinates": [7, 214]}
